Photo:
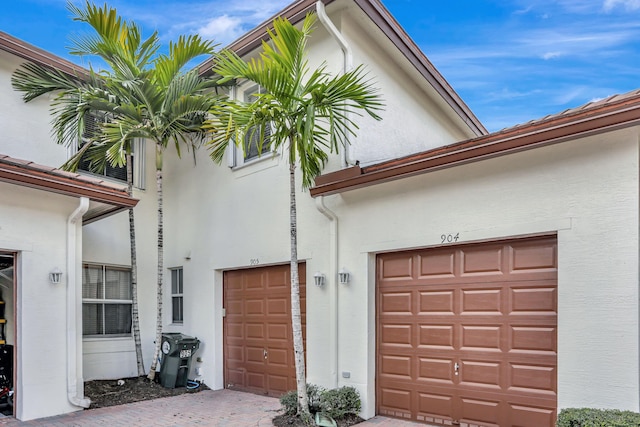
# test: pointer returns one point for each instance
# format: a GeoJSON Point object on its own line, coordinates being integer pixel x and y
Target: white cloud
{"type": "Point", "coordinates": [551, 55]}
{"type": "Point", "coordinates": [628, 5]}
{"type": "Point", "coordinates": [223, 29]}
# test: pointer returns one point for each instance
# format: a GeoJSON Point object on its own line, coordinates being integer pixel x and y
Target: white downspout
{"type": "Point", "coordinates": [333, 287]}
{"type": "Point", "coordinates": [347, 65]}
{"type": "Point", "coordinates": [74, 305]}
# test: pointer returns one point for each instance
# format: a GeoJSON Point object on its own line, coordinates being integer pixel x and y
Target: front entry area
{"type": "Point", "coordinates": [467, 335]}
{"type": "Point", "coordinates": [258, 338]}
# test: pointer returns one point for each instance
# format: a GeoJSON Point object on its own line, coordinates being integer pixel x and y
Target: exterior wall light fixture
{"type": "Point", "coordinates": [318, 278]}
{"type": "Point", "coordinates": [55, 276]}
{"type": "Point", "coordinates": [344, 276]}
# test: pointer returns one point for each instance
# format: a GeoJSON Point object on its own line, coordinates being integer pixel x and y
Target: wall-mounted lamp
{"type": "Point", "coordinates": [318, 278]}
{"type": "Point", "coordinates": [343, 276]}
{"type": "Point", "coordinates": [55, 276]}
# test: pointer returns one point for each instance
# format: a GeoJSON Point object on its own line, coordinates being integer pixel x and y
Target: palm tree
{"type": "Point", "coordinates": [142, 94]}
{"type": "Point", "coordinates": [307, 112]}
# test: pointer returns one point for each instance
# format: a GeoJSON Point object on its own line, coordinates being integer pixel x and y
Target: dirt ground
{"type": "Point", "coordinates": [108, 393]}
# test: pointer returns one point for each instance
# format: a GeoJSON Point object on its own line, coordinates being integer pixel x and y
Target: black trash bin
{"type": "Point", "coordinates": [177, 351]}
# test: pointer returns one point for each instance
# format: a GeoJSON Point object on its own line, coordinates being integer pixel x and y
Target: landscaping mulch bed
{"type": "Point", "coordinates": [285, 420]}
{"type": "Point", "coordinates": [108, 393]}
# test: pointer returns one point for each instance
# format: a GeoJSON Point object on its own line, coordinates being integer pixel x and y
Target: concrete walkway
{"type": "Point", "coordinates": [220, 408]}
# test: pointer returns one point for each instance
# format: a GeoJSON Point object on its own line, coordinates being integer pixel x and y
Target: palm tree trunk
{"type": "Point", "coordinates": [156, 353]}
{"type": "Point", "coordinates": [135, 320]}
{"type": "Point", "coordinates": [296, 318]}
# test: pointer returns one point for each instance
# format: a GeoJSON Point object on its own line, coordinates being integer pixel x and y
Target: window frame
{"type": "Point", "coordinates": [177, 293]}
{"type": "Point", "coordinates": [104, 301]}
{"type": "Point", "coordinates": [137, 156]}
{"type": "Point", "coordinates": [237, 155]}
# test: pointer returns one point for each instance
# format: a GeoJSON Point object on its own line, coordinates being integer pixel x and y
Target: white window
{"type": "Point", "coordinates": [119, 173]}
{"type": "Point", "coordinates": [177, 315]}
{"type": "Point", "coordinates": [252, 149]}
{"type": "Point", "coordinates": [106, 301]}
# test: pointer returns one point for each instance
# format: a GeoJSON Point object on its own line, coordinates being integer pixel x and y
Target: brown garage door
{"type": "Point", "coordinates": [466, 335]}
{"type": "Point", "coordinates": [258, 339]}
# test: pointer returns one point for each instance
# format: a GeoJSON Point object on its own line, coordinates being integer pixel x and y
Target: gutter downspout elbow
{"type": "Point", "coordinates": [347, 65]}
{"type": "Point", "coordinates": [333, 287]}
{"type": "Point", "coordinates": [72, 305]}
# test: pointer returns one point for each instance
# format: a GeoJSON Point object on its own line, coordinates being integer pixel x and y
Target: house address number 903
{"type": "Point", "coordinates": [449, 238]}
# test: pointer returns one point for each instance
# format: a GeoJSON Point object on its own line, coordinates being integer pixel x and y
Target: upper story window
{"type": "Point", "coordinates": [92, 121]}
{"type": "Point", "coordinates": [252, 149]}
{"type": "Point", "coordinates": [106, 301]}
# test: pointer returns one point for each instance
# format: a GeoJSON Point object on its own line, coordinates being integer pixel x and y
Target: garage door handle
{"type": "Point", "coordinates": [264, 352]}
{"type": "Point", "coordinates": [456, 368]}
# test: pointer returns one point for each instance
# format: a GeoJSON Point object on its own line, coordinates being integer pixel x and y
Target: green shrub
{"type": "Point", "coordinates": [587, 417]}
{"type": "Point", "coordinates": [337, 403]}
{"type": "Point", "coordinates": [289, 400]}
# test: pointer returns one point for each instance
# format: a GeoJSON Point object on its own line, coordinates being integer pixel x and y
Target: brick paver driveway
{"type": "Point", "coordinates": [220, 408]}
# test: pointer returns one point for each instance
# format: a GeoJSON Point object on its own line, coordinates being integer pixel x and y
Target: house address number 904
{"type": "Point", "coordinates": [449, 238]}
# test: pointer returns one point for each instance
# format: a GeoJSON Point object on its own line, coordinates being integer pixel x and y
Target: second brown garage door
{"type": "Point", "coordinates": [258, 339]}
{"type": "Point", "coordinates": [467, 334]}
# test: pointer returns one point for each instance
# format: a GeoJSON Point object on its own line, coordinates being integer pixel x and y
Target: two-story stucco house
{"type": "Point", "coordinates": [470, 277]}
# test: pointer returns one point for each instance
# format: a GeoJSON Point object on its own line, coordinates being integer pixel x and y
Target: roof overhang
{"type": "Point", "coordinates": [617, 112]}
{"type": "Point", "coordinates": [381, 17]}
{"type": "Point", "coordinates": [106, 198]}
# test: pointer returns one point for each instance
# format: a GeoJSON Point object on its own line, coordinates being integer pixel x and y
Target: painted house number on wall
{"type": "Point", "coordinates": [449, 238]}
{"type": "Point", "coordinates": [254, 261]}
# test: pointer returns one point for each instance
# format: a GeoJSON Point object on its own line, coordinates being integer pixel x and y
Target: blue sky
{"type": "Point", "coordinates": [511, 61]}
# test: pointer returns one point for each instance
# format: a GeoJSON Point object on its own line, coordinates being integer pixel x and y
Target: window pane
{"type": "Point", "coordinates": [177, 309]}
{"type": "Point", "coordinates": [92, 319]}
{"type": "Point", "coordinates": [252, 142]}
{"type": "Point", "coordinates": [117, 318]}
{"type": "Point", "coordinates": [118, 284]}
{"type": "Point", "coordinates": [174, 281]}
{"type": "Point", "coordinates": [180, 281]}
{"type": "Point", "coordinates": [92, 282]}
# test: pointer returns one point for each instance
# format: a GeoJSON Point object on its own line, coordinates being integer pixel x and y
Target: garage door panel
{"type": "Point", "coordinates": [254, 307]}
{"type": "Point", "coordinates": [255, 330]}
{"type": "Point", "coordinates": [397, 367]}
{"type": "Point", "coordinates": [533, 339]}
{"type": "Point", "coordinates": [489, 308]}
{"type": "Point", "coordinates": [485, 301]}
{"type": "Point", "coordinates": [481, 338]}
{"type": "Point", "coordinates": [397, 268]}
{"type": "Point", "coordinates": [253, 280]}
{"type": "Point", "coordinates": [534, 257]}
{"type": "Point", "coordinates": [482, 261]}
{"type": "Point", "coordinates": [480, 412]}
{"type": "Point", "coordinates": [437, 265]}
{"type": "Point", "coordinates": [436, 370]}
{"type": "Point", "coordinates": [484, 374]}
{"type": "Point", "coordinates": [530, 300]}
{"type": "Point", "coordinates": [436, 302]}
{"type": "Point", "coordinates": [533, 378]}
{"type": "Point", "coordinates": [528, 416]}
{"type": "Point", "coordinates": [434, 407]}
{"type": "Point", "coordinates": [278, 306]}
{"type": "Point", "coordinates": [395, 335]}
{"type": "Point", "coordinates": [396, 303]}
{"type": "Point", "coordinates": [396, 401]}
{"type": "Point", "coordinates": [436, 337]}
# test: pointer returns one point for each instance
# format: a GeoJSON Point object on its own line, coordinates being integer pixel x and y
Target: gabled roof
{"type": "Point", "coordinates": [381, 17]}
{"type": "Point", "coordinates": [108, 198]}
{"type": "Point", "coordinates": [615, 112]}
